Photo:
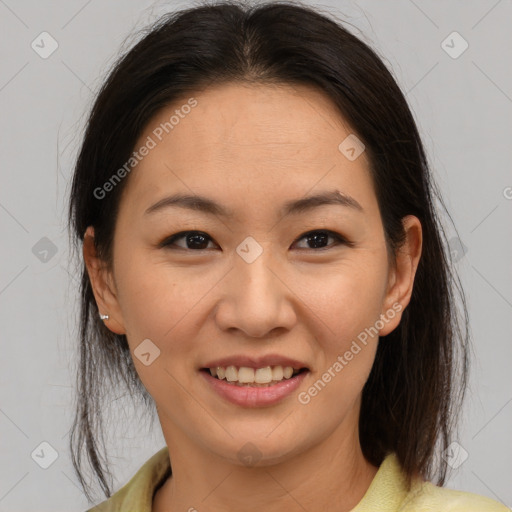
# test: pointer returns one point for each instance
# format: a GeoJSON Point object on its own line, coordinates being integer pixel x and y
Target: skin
{"type": "Point", "coordinates": [251, 148]}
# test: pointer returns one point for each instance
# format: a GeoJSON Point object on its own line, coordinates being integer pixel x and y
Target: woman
{"type": "Point", "coordinates": [263, 262]}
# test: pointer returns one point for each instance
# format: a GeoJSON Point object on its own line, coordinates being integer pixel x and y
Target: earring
{"type": "Point", "coordinates": [103, 317]}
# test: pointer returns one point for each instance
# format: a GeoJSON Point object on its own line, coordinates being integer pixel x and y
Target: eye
{"type": "Point", "coordinates": [319, 238]}
{"type": "Point", "coordinates": [194, 240]}
{"type": "Point", "coordinates": [198, 240]}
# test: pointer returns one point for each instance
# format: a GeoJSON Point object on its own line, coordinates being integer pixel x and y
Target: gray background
{"type": "Point", "coordinates": [463, 107]}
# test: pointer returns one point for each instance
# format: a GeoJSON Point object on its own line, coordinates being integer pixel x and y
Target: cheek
{"type": "Point", "coordinates": [162, 303]}
{"type": "Point", "coordinates": [345, 341]}
{"type": "Point", "coordinates": [165, 302]}
{"type": "Point", "coordinates": [159, 300]}
{"type": "Point", "coordinates": [348, 302]}
{"type": "Point", "coordinates": [347, 298]}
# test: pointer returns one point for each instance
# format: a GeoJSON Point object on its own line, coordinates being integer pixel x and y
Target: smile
{"type": "Point", "coordinates": [243, 376]}
{"type": "Point", "coordinates": [250, 387]}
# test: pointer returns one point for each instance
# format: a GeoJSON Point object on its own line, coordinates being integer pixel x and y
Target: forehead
{"type": "Point", "coordinates": [252, 137]}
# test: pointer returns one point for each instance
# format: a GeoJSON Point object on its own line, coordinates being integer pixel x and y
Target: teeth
{"type": "Point", "coordinates": [263, 375]}
{"type": "Point", "coordinates": [288, 372]}
{"type": "Point", "coordinates": [244, 375]}
{"type": "Point", "coordinates": [277, 373]}
{"type": "Point", "coordinates": [231, 374]}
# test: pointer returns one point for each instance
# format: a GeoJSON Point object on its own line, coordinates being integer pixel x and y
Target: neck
{"type": "Point", "coordinates": [332, 476]}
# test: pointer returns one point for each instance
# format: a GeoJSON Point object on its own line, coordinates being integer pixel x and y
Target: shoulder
{"type": "Point", "coordinates": [138, 493]}
{"type": "Point", "coordinates": [389, 493]}
{"type": "Point", "coordinates": [427, 497]}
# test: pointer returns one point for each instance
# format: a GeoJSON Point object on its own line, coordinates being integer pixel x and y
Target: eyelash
{"type": "Point", "coordinates": [168, 242]}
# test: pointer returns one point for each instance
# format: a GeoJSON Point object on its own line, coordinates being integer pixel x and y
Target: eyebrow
{"type": "Point", "coordinates": [293, 207]}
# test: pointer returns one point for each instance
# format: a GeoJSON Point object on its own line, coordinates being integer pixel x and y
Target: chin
{"type": "Point", "coordinates": [258, 447]}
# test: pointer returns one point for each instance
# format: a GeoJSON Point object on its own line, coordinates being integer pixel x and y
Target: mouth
{"type": "Point", "coordinates": [246, 376]}
{"type": "Point", "coordinates": [254, 381]}
{"type": "Point", "coordinates": [258, 386]}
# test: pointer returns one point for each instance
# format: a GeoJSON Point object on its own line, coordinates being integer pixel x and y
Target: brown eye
{"type": "Point", "coordinates": [198, 240]}
{"type": "Point", "coordinates": [194, 240]}
{"type": "Point", "coordinates": [319, 239]}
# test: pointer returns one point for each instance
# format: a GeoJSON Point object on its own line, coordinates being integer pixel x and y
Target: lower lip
{"type": "Point", "coordinates": [252, 396]}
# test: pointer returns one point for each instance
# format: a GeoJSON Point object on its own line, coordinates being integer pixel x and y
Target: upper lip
{"type": "Point", "coordinates": [256, 362]}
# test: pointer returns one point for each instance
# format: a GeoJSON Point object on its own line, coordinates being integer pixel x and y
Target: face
{"type": "Point", "coordinates": [253, 284]}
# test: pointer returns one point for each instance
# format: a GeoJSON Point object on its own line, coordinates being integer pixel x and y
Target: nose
{"type": "Point", "coordinates": [256, 299]}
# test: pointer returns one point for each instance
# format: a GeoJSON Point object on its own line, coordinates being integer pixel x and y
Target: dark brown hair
{"type": "Point", "coordinates": [414, 392]}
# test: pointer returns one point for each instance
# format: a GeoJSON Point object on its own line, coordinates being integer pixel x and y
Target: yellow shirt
{"type": "Point", "coordinates": [386, 493]}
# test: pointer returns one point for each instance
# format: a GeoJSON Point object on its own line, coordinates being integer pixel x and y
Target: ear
{"type": "Point", "coordinates": [103, 285]}
{"type": "Point", "coordinates": [401, 275]}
